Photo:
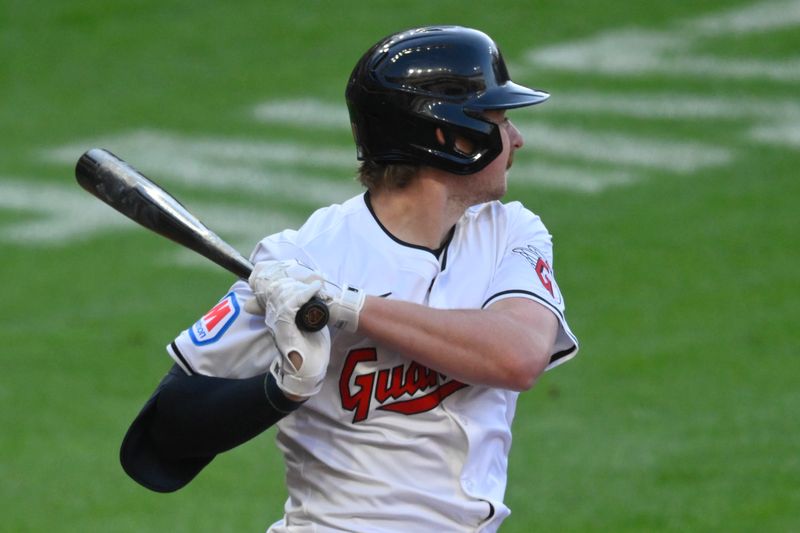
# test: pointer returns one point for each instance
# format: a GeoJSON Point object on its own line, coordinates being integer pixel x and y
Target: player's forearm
{"type": "Point", "coordinates": [474, 346]}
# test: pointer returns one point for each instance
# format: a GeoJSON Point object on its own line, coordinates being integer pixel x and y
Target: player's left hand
{"type": "Point", "coordinates": [301, 368]}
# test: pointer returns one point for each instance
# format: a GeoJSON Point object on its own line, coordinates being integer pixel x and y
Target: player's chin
{"type": "Point", "coordinates": [489, 194]}
{"type": "Point", "coordinates": [498, 192]}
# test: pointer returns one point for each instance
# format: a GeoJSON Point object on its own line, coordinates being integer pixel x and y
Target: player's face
{"type": "Point", "coordinates": [491, 182]}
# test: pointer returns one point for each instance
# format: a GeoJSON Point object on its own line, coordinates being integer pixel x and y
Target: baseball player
{"type": "Point", "coordinates": [443, 303]}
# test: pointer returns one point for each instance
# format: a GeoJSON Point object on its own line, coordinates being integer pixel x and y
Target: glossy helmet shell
{"type": "Point", "coordinates": [412, 83]}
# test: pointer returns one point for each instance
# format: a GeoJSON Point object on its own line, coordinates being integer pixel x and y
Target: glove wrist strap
{"type": "Point", "coordinates": [301, 386]}
{"type": "Point", "coordinates": [348, 307]}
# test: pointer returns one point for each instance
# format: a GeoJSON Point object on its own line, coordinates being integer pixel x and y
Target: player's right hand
{"type": "Point", "coordinates": [344, 303]}
{"type": "Point", "coordinates": [267, 272]}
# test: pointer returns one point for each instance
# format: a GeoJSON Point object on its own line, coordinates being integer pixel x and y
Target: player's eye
{"type": "Point", "coordinates": [496, 117]}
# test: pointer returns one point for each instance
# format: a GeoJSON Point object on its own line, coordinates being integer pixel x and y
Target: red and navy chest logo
{"type": "Point", "coordinates": [407, 389]}
{"type": "Point", "coordinates": [216, 322]}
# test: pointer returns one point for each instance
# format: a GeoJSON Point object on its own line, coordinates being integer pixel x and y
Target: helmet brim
{"type": "Point", "coordinates": [510, 95]}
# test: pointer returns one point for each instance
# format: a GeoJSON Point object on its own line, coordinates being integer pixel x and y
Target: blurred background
{"type": "Point", "coordinates": [665, 164]}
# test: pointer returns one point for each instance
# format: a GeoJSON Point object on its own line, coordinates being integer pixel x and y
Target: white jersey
{"type": "Point", "coordinates": [387, 444]}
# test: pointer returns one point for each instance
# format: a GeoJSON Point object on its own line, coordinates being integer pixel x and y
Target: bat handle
{"type": "Point", "coordinates": [313, 315]}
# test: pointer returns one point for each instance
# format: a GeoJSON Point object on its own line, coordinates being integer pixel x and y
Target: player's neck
{"type": "Point", "coordinates": [420, 213]}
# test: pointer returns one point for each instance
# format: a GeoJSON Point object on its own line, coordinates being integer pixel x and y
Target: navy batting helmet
{"type": "Point", "coordinates": [412, 83]}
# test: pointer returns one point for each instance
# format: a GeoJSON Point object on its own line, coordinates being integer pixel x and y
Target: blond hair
{"type": "Point", "coordinates": [374, 175]}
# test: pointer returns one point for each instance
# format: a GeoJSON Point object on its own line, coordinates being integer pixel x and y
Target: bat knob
{"type": "Point", "coordinates": [313, 315]}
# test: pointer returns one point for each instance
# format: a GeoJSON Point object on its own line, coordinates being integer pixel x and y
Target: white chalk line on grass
{"type": "Point", "coordinates": [636, 52]}
{"type": "Point", "coordinates": [755, 18]}
{"type": "Point", "coordinates": [64, 215]}
{"type": "Point", "coordinates": [561, 176]}
{"type": "Point", "coordinates": [307, 112]}
{"type": "Point", "coordinates": [787, 134]}
{"type": "Point", "coordinates": [676, 106]}
{"type": "Point", "coordinates": [257, 168]}
{"type": "Point", "coordinates": [224, 150]}
{"type": "Point", "coordinates": [624, 150]}
{"type": "Point", "coordinates": [254, 167]}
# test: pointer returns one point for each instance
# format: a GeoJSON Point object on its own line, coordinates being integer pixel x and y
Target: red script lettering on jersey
{"type": "Point", "coordinates": [391, 384]}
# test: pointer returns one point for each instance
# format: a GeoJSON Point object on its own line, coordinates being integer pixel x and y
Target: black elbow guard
{"type": "Point", "coordinates": [190, 419]}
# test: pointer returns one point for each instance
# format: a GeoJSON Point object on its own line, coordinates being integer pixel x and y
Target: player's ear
{"type": "Point", "coordinates": [461, 144]}
{"type": "Point", "coordinates": [465, 146]}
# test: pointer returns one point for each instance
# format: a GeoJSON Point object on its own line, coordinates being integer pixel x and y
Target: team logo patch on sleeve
{"type": "Point", "coordinates": [216, 322]}
{"type": "Point", "coordinates": [542, 268]}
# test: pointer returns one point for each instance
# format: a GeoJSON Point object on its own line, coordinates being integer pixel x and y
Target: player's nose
{"type": "Point", "coordinates": [515, 136]}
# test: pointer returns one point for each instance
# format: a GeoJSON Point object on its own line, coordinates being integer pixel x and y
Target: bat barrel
{"type": "Point", "coordinates": [127, 190]}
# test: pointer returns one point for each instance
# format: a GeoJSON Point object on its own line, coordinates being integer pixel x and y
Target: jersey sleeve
{"type": "Point", "coordinates": [227, 341]}
{"type": "Point", "coordinates": [525, 270]}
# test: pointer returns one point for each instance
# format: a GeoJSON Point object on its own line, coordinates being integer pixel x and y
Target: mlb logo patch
{"type": "Point", "coordinates": [214, 323]}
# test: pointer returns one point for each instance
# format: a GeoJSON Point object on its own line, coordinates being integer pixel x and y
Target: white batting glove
{"type": "Point", "coordinates": [267, 272]}
{"type": "Point", "coordinates": [344, 303]}
{"type": "Point", "coordinates": [304, 355]}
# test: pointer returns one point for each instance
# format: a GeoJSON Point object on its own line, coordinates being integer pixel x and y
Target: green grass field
{"type": "Point", "coordinates": [665, 165]}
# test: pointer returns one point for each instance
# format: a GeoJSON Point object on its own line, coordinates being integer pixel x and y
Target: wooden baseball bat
{"type": "Point", "coordinates": [127, 190]}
